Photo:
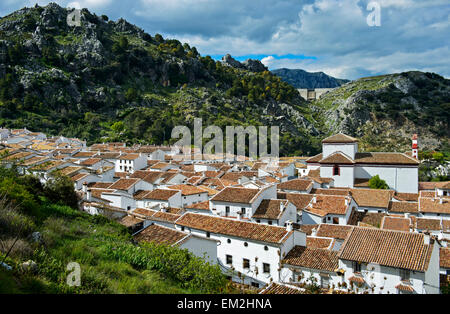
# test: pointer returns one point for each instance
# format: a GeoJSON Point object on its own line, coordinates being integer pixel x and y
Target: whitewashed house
{"type": "Point", "coordinates": [248, 253]}
{"type": "Point", "coordinates": [130, 163]}
{"type": "Point", "coordinates": [341, 161]}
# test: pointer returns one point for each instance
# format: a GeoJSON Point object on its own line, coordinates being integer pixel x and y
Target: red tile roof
{"type": "Point", "coordinates": [295, 185]}
{"type": "Point", "coordinates": [236, 195]}
{"type": "Point", "coordinates": [388, 248]}
{"type": "Point", "coordinates": [320, 259]}
{"type": "Point", "coordinates": [232, 227]}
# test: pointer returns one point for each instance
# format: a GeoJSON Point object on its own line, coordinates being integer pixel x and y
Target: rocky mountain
{"type": "Point", "coordinates": [303, 79]}
{"type": "Point", "coordinates": [384, 111]}
{"type": "Point", "coordinates": [109, 80]}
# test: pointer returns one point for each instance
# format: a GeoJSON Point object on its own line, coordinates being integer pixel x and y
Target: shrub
{"type": "Point", "coordinates": [377, 183]}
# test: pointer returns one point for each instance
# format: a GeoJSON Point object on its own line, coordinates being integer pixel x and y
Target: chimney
{"type": "Point", "coordinates": [163, 208]}
{"type": "Point", "coordinates": [88, 195]}
{"type": "Point", "coordinates": [289, 226]}
{"type": "Point", "coordinates": [346, 201]}
{"type": "Point", "coordinates": [415, 147]}
{"type": "Point", "coordinates": [239, 215]}
{"type": "Point", "coordinates": [441, 200]}
{"type": "Point", "coordinates": [314, 232]}
{"type": "Point", "coordinates": [426, 237]}
{"type": "Point", "coordinates": [406, 215]}
{"type": "Point", "coordinates": [84, 187]}
{"type": "Point", "coordinates": [314, 199]}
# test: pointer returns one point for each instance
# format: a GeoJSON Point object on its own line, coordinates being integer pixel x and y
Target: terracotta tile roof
{"type": "Point", "coordinates": [299, 200]}
{"type": "Point", "coordinates": [295, 185]}
{"type": "Point", "coordinates": [200, 206]}
{"type": "Point", "coordinates": [394, 223]}
{"type": "Point", "coordinates": [160, 235]}
{"type": "Point", "coordinates": [124, 184]}
{"type": "Point", "coordinates": [340, 138]}
{"type": "Point", "coordinates": [100, 185]}
{"type": "Point", "coordinates": [160, 194]}
{"type": "Point", "coordinates": [320, 180]}
{"type": "Point", "coordinates": [404, 287]}
{"type": "Point", "coordinates": [388, 248]}
{"type": "Point", "coordinates": [187, 189]}
{"type": "Point", "coordinates": [361, 183]}
{"type": "Point", "coordinates": [339, 232]}
{"type": "Point", "coordinates": [446, 225]}
{"type": "Point", "coordinates": [108, 155]}
{"type": "Point", "coordinates": [70, 170]}
{"type": "Point", "coordinates": [84, 154]}
{"type": "Point", "coordinates": [343, 192]}
{"type": "Point", "coordinates": [434, 185]}
{"type": "Point", "coordinates": [79, 176]}
{"type": "Point", "coordinates": [275, 288]}
{"type": "Point", "coordinates": [314, 159]}
{"type": "Point", "coordinates": [270, 209]}
{"type": "Point", "coordinates": [165, 216]}
{"type": "Point", "coordinates": [233, 227]}
{"type": "Point", "coordinates": [320, 259]}
{"type": "Point", "coordinates": [328, 204]}
{"type": "Point", "coordinates": [236, 195]}
{"type": "Point", "coordinates": [308, 228]}
{"type": "Point", "coordinates": [372, 198]}
{"type": "Point", "coordinates": [121, 174]}
{"type": "Point", "coordinates": [385, 158]}
{"type": "Point", "coordinates": [403, 207]}
{"type": "Point", "coordinates": [144, 212]}
{"type": "Point", "coordinates": [444, 257]}
{"type": "Point", "coordinates": [356, 279]}
{"type": "Point", "coordinates": [211, 192]}
{"type": "Point", "coordinates": [233, 176]}
{"type": "Point", "coordinates": [428, 224]}
{"type": "Point", "coordinates": [129, 221]}
{"type": "Point", "coordinates": [318, 243]}
{"type": "Point", "coordinates": [90, 161]}
{"type": "Point", "coordinates": [410, 197]}
{"type": "Point", "coordinates": [337, 158]}
{"type": "Point", "coordinates": [430, 205]}
{"type": "Point", "coordinates": [160, 165]}
{"type": "Point", "coordinates": [129, 157]}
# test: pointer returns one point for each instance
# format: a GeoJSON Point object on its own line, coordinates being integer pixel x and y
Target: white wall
{"type": "Point", "coordinates": [403, 179]}
{"type": "Point", "coordinates": [344, 179]}
{"type": "Point", "coordinates": [349, 149]}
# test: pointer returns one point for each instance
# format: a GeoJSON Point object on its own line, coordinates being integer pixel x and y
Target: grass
{"type": "Point", "coordinates": [72, 236]}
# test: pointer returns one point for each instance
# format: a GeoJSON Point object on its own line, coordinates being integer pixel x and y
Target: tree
{"type": "Point", "coordinates": [377, 183]}
{"type": "Point", "coordinates": [60, 189]}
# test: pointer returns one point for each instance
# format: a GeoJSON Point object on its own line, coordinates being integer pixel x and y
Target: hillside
{"type": "Point", "coordinates": [310, 80]}
{"type": "Point", "coordinates": [79, 81]}
{"type": "Point", "coordinates": [110, 81]}
{"type": "Point", "coordinates": [384, 111]}
{"type": "Point", "coordinates": [41, 225]}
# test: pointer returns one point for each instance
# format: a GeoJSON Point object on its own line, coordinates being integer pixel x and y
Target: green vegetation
{"type": "Point", "coordinates": [377, 183]}
{"type": "Point", "coordinates": [150, 84]}
{"type": "Point", "coordinates": [110, 261]}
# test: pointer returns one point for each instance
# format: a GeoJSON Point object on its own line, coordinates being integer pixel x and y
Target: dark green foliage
{"type": "Point", "coordinates": [59, 189]}
{"type": "Point", "coordinates": [377, 183]}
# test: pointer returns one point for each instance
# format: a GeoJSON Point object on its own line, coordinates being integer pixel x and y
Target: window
{"type": "Point", "coordinates": [269, 222]}
{"type": "Point", "coordinates": [208, 234]}
{"type": "Point", "coordinates": [356, 267]}
{"type": "Point", "coordinates": [258, 221]}
{"type": "Point", "coordinates": [255, 284]}
{"type": "Point", "coordinates": [227, 210]}
{"type": "Point", "coordinates": [325, 281]}
{"type": "Point", "coordinates": [182, 228]}
{"type": "Point", "coordinates": [336, 170]}
{"type": "Point", "coordinates": [245, 244]}
{"type": "Point", "coordinates": [245, 263]}
{"type": "Point", "coordinates": [404, 275]}
{"type": "Point", "coordinates": [266, 268]}
{"type": "Point", "coordinates": [266, 248]}
{"type": "Point", "coordinates": [243, 211]}
{"type": "Point", "coordinates": [229, 259]}
{"type": "Point", "coordinates": [228, 241]}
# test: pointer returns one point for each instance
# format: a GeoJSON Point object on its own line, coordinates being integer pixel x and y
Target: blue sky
{"type": "Point", "coordinates": [332, 36]}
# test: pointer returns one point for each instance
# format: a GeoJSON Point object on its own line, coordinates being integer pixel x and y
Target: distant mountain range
{"type": "Point", "coordinates": [303, 79]}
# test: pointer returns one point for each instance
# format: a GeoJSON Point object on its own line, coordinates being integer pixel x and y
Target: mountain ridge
{"type": "Point", "coordinates": [302, 79]}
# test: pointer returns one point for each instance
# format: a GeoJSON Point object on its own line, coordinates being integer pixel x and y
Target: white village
{"type": "Point", "coordinates": [273, 228]}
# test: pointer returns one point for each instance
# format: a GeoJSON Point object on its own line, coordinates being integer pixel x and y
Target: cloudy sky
{"type": "Point", "coordinates": [334, 36]}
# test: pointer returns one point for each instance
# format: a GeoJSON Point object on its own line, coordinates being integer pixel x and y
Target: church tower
{"type": "Point", "coordinates": [415, 147]}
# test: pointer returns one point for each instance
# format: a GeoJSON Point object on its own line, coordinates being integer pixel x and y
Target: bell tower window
{"type": "Point", "coordinates": [336, 170]}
